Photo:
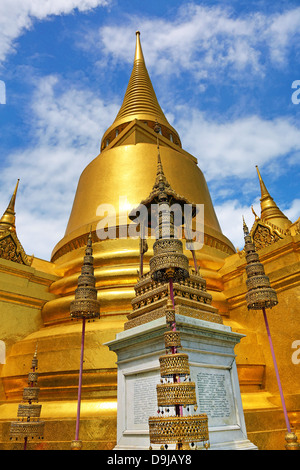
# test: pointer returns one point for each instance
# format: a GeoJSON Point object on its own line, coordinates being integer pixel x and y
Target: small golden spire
{"type": "Point", "coordinates": [263, 189]}
{"type": "Point", "coordinates": [269, 209]}
{"type": "Point", "coordinates": [8, 219]}
{"type": "Point", "coordinates": [138, 48]}
{"type": "Point", "coordinates": [161, 181]}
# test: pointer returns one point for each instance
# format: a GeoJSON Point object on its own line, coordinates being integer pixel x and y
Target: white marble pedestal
{"type": "Point", "coordinates": [210, 347]}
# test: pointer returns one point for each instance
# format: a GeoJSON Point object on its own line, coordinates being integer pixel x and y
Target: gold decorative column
{"type": "Point", "coordinates": [261, 295]}
{"type": "Point", "coordinates": [167, 265]}
{"type": "Point", "coordinates": [174, 396]}
{"type": "Point", "coordinates": [85, 306]}
{"type": "Point", "coordinates": [28, 425]}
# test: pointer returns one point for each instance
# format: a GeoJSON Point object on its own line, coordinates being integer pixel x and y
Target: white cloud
{"type": "Point", "coordinates": [16, 16]}
{"type": "Point", "coordinates": [204, 40]}
{"type": "Point", "coordinates": [230, 215]}
{"type": "Point", "coordinates": [293, 212]}
{"type": "Point", "coordinates": [239, 144]}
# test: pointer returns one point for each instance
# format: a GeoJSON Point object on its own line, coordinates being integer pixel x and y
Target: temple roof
{"type": "Point", "coordinates": [8, 219]}
{"type": "Point", "coordinates": [10, 246]}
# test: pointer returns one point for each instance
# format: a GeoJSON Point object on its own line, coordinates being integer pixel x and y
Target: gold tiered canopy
{"type": "Point", "coordinates": [8, 219]}
{"type": "Point", "coordinates": [269, 209]}
{"type": "Point", "coordinates": [272, 225]}
{"type": "Point", "coordinates": [10, 246]}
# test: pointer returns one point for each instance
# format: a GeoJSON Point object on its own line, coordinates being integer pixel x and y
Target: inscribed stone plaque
{"type": "Point", "coordinates": [141, 399]}
{"type": "Point", "coordinates": [215, 396]}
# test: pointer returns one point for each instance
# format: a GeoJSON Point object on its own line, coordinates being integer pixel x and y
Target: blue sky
{"type": "Point", "coordinates": [223, 74]}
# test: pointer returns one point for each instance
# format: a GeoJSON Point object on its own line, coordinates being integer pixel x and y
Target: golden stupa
{"type": "Point", "coordinates": [35, 295]}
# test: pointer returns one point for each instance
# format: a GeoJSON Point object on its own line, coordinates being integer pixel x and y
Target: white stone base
{"type": "Point", "coordinates": [210, 347]}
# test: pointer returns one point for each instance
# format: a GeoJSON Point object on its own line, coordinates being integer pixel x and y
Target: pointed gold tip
{"type": "Point", "coordinates": [138, 48]}
{"type": "Point", "coordinates": [139, 103]}
{"type": "Point", "coordinates": [245, 228]}
{"type": "Point", "coordinates": [8, 219]}
{"type": "Point", "coordinates": [264, 191]}
{"type": "Point", "coordinates": [269, 208]}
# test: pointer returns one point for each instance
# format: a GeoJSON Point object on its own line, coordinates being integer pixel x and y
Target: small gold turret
{"type": "Point", "coordinates": [10, 246]}
{"type": "Point", "coordinates": [85, 305]}
{"type": "Point", "coordinates": [8, 219]}
{"type": "Point", "coordinates": [269, 209]}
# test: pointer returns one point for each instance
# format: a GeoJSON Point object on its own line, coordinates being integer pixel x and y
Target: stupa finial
{"type": "Point", "coordinates": [8, 219]}
{"type": "Point", "coordinates": [140, 102]}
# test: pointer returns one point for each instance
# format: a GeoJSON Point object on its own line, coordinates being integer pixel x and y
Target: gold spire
{"type": "Point", "coordinates": [260, 293]}
{"type": "Point", "coordinates": [138, 48]}
{"type": "Point", "coordinates": [140, 101]}
{"type": "Point", "coordinates": [269, 209]}
{"type": "Point", "coordinates": [8, 220]}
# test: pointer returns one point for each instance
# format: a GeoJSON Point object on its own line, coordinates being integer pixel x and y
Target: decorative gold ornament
{"type": "Point", "coordinates": [10, 246]}
{"type": "Point", "coordinates": [260, 294]}
{"type": "Point", "coordinates": [86, 307]}
{"type": "Point", "coordinates": [86, 304]}
{"type": "Point", "coordinates": [171, 364]}
{"type": "Point", "coordinates": [291, 441]}
{"type": "Point", "coordinates": [28, 425]}
{"type": "Point", "coordinates": [172, 338]}
{"type": "Point", "coordinates": [270, 213]}
{"type": "Point", "coordinates": [140, 102]}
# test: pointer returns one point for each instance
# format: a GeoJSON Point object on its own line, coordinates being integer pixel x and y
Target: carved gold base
{"type": "Point", "coordinates": [76, 445]}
